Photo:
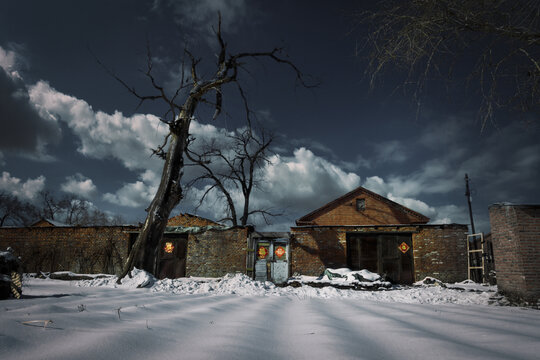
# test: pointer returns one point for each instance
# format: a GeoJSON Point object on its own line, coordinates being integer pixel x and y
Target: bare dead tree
{"type": "Point", "coordinates": [192, 91]}
{"type": "Point", "coordinates": [233, 167]}
{"type": "Point", "coordinates": [436, 39]}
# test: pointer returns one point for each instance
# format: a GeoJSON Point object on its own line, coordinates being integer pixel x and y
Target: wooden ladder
{"type": "Point", "coordinates": [476, 251]}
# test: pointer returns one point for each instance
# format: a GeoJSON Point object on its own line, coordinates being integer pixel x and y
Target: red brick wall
{"type": "Point", "coordinates": [441, 252]}
{"type": "Point", "coordinates": [515, 231]}
{"type": "Point", "coordinates": [315, 249]}
{"type": "Point", "coordinates": [99, 249]}
{"type": "Point", "coordinates": [215, 253]}
{"type": "Point", "coordinates": [376, 212]}
{"type": "Point", "coordinates": [104, 249]}
{"type": "Point", "coordinates": [438, 251]}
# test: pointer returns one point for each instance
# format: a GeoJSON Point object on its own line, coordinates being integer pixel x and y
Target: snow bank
{"type": "Point", "coordinates": [242, 285]}
{"type": "Point", "coordinates": [138, 279]}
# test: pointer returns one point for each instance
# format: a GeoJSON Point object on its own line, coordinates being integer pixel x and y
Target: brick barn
{"type": "Point", "coordinates": [363, 230]}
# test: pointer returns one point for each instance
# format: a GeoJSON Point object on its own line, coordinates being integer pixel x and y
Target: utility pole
{"type": "Point", "coordinates": [468, 195]}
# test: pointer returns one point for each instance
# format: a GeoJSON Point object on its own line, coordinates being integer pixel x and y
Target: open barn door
{"type": "Point", "coordinates": [386, 254]}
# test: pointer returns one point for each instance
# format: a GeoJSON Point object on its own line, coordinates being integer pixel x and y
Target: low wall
{"type": "Point", "coordinates": [100, 249]}
{"type": "Point", "coordinates": [214, 253]}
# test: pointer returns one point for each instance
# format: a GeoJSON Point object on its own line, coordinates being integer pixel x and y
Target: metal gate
{"type": "Point", "coordinates": [272, 260]}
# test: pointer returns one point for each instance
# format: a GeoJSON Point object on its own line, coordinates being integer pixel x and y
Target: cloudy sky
{"type": "Point", "coordinates": [69, 127]}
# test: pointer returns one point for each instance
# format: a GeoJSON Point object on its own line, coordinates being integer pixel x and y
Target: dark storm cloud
{"type": "Point", "coordinates": [201, 16]}
{"type": "Point", "coordinates": [21, 128]}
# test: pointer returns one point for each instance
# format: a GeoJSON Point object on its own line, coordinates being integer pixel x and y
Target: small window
{"type": "Point", "coordinates": [360, 204]}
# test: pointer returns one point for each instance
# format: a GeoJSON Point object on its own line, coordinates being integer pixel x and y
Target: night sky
{"type": "Point", "coordinates": [69, 127]}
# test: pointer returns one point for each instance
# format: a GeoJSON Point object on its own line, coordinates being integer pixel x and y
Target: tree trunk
{"type": "Point", "coordinates": [146, 248]}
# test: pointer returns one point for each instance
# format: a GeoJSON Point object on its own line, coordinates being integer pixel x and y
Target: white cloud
{"type": "Point", "coordinates": [447, 214]}
{"type": "Point", "coordinates": [294, 184]}
{"type": "Point", "coordinates": [79, 185]}
{"type": "Point", "coordinates": [413, 204]}
{"type": "Point", "coordinates": [25, 190]}
{"type": "Point", "coordinates": [102, 135]}
{"type": "Point", "coordinates": [443, 214]}
{"type": "Point", "coordinates": [305, 181]}
{"type": "Point", "coordinates": [8, 62]}
{"type": "Point", "coordinates": [137, 194]}
{"type": "Point", "coordinates": [376, 184]}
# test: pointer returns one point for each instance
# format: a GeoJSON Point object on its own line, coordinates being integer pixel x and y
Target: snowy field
{"type": "Point", "coordinates": [236, 318]}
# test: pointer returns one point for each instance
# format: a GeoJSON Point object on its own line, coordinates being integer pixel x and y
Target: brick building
{"type": "Point", "coordinates": [363, 230]}
{"type": "Point", "coordinates": [515, 233]}
{"type": "Point", "coordinates": [191, 246]}
{"type": "Point", "coordinates": [358, 230]}
{"type": "Point", "coordinates": [208, 249]}
{"type": "Point", "coordinates": [50, 246]}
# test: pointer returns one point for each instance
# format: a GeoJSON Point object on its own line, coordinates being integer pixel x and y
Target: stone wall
{"type": "Point", "coordinates": [515, 231]}
{"type": "Point", "coordinates": [214, 253]}
{"type": "Point", "coordinates": [439, 250]}
{"type": "Point", "coordinates": [100, 249]}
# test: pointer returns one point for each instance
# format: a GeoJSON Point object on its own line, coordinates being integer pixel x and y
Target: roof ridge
{"type": "Point", "coordinates": [352, 193]}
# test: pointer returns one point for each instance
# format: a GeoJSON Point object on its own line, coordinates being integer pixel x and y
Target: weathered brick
{"type": "Point", "coordinates": [516, 246]}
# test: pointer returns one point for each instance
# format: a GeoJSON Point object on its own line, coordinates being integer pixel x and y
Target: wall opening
{"type": "Point", "coordinates": [390, 255]}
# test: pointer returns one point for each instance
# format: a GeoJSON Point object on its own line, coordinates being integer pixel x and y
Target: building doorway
{"type": "Point", "coordinates": [272, 260]}
{"type": "Point", "coordinates": [390, 255]}
{"type": "Point", "coordinates": [172, 256]}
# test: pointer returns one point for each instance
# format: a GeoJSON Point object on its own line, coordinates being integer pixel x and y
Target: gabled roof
{"type": "Point", "coordinates": [49, 223]}
{"type": "Point", "coordinates": [189, 220]}
{"type": "Point", "coordinates": [308, 219]}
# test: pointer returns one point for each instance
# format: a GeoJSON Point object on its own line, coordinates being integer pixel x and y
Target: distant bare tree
{"type": "Point", "coordinates": [15, 212]}
{"type": "Point", "coordinates": [497, 40]}
{"type": "Point", "coordinates": [192, 90]}
{"type": "Point", "coordinates": [233, 167]}
{"type": "Point", "coordinates": [72, 210]}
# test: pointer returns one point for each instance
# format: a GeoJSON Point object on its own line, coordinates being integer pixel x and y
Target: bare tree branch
{"type": "Point", "coordinates": [232, 167]}
{"type": "Point", "coordinates": [426, 38]}
{"type": "Point", "coordinates": [145, 249]}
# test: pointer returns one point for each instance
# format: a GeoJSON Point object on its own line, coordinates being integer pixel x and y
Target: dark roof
{"type": "Point", "coordinates": [50, 222]}
{"type": "Point", "coordinates": [307, 219]}
{"type": "Point", "coordinates": [187, 219]}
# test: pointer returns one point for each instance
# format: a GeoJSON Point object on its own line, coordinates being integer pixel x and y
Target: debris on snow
{"type": "Point", "coordinates": [139, 279]}
{"type": "Point", "coordinates": [68, 275]}
{"type": "Point", "coordinates": [429, 281]}
{"type": "Point", "coordinates": [343, 278]}
{"type": "Point", "coordinates": [10, 275]}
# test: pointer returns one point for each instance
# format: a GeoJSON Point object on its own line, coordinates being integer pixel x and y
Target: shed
{"type": "Point", "coordinates": [364, 230]}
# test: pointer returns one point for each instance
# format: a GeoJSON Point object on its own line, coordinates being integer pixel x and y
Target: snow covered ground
{"type": "Point", "coordinates": [236, 318]}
